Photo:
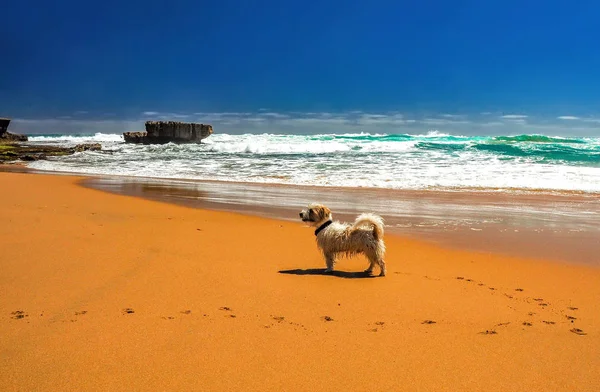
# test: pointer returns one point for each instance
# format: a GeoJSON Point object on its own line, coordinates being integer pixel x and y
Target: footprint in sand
{"type": "Point", "coordinates": [503, 324]}
{"type": "Point", "coordinates": [168, 318]}
{"type": "Point", "coordinates": [81, 313]}
{"type": "Point", "coordinates": [18, 315]}
{"type": "Point", "coordinates": [578, 331]}
{"type": "Point", "coordinates": [527, 323]}
{"type": "Point", "coordinates": [548, 322]}
{"type": "Point", "coordinates": [489, 332]}
{"type": "Point", "coordinates": [428, 322]}
{"type": "Point", "coordinates": [227, 309]}
{"type": "Point", "coordinates": [279, 319]}
{"type": "Point", "coordinates": [327, 318]}
{"type": "Point", "coordinates": [128, 311]}
{"type": "Point", "coordinates": [572, 308]}
{"type": "Point", "coordinates": [518, 289]}
{"type": "Point", "coordinates": [571, 318]}
{"type": "Point", "coordinates": [186, 312]}
{"type": "Point", "coordinates": [379, 324]}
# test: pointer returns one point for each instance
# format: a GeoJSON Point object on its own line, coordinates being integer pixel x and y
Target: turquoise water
{"type": "Point", "coordinates": [395, 161]}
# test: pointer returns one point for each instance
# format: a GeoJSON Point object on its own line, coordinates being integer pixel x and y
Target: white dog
{"type": "Point", "coordinates": [333, 238]}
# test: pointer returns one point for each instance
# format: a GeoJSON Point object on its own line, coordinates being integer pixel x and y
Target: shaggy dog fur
{"type": "Point", "coordinates": [336, 238]}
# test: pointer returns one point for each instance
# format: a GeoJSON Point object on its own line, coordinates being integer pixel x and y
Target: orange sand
{"type": "Point", "coordinates": [210, 311]}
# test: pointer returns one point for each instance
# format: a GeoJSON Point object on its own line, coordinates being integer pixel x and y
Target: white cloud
{"type": "Point", "coordinates": [150, 113]}
{"type": "Point", "coordinates": [274, 115]}
{"type": "Point", "coordinates": [70, 126]}
{"type": "Point", "coordinates": [323, 122]}
{"type": "Point", "coordinates": [592, 120]}
{"type": "Point", "coordinates": [567, 118]}
{"type": "Point", "coordinates": [454, 116]}
{"type": "Point", "coordinates": [222, 114]}
{"type": "Point", "coordinates": [514, 116]}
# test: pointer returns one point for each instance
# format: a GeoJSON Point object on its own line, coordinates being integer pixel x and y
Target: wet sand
{"type": "Point", "coordinates": [561, 226]}
{"type": "Point", "coordinates": [112, 292]}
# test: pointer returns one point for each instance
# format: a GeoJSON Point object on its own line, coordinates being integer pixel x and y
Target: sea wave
{"type": "Point", "coordinates": [398, 161]}
{"type": "Point", "coordinates": [536, 139]}
{"type": "Point", "coordinates": [74, 139]}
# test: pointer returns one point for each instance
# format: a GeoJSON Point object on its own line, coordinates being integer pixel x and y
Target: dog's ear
{"type": "Point", "coordinates": [323, 212]}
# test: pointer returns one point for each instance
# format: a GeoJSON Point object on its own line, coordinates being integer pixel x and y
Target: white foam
{"type": "Point", "coordinates": [75, 139]}
{"type": "Point", "coordinates": [322, 162]}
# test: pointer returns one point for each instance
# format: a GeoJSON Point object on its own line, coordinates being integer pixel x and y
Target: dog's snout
{"type": "Point", "coordinates": [300, 215]}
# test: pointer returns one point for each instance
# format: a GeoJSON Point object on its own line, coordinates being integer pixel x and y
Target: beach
{"type": "Point", "coordinates": [115, 292]}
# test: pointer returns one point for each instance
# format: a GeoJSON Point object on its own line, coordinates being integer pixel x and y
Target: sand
{"type": "Point", "coordinates": [106, 292]}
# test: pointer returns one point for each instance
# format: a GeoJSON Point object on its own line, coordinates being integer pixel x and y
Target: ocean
{"type": "Point", "coordinates": [432, 161]}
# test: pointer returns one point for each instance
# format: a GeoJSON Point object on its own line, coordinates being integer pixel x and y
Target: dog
{"type": "Point", "coordinates": [335, 238]}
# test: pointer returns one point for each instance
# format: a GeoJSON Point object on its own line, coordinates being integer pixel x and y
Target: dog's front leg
{"type": "Point", "coordinates": [330, 262]}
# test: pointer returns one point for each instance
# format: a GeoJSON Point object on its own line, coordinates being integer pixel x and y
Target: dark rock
{"type": "Point", "coordinates": [32, 157]}
{"type": "Point", "coordinates": [4, 122]}
{"type": "Point", "coordinates": [6, 136]}
{"type": "Point", "coordinates": [15, 151]}
{"type": "Point", "coordinates": [135, 137]}
{"type": "Point", "coordinates": [158, 132]}
{"type": "Point", "coordinates": [87, 147]}
{"type": "Point", "coordinates": [13, 137]}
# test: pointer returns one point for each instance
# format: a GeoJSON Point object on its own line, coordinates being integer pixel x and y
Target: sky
{"type": "Point", "coordinates": [461, 66]}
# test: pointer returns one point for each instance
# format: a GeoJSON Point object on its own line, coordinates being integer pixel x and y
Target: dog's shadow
{"type": "Point", "coordinates": [322, 271]}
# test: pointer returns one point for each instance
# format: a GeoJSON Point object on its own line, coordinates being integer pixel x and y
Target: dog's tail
{"type": "Point", "coordinates": [372, 220]}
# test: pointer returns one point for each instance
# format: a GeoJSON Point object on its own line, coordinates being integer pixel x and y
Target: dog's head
{"type": "Point", "coordinates": [315, 214]}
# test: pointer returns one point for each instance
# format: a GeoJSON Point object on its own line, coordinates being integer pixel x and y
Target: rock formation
{"type": "Point", "coordinates": [135, 137]}
{"type": "Point", "coordinates": [87, 147]}
{"type": "Point", "coordinates": [11, 150]}
{"type": "Point", "coordinates": [6, 136]}
{"type": "Point", "coordinates": [158, 132]}
{"type": "Point", "coordinates": [15, 151]}
{"type": "Point", "coordinates": [4, 122]}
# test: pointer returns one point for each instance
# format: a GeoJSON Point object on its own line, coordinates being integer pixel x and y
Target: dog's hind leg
{"type": "Point", "coordinates": [372, 262]}
{"type": "Point", "coordinates": [381, 263]}
{"type": "Point", "coordinates": [330, 262]}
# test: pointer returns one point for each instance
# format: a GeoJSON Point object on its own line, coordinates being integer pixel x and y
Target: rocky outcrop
{"type": "Point", "coordinates": [15, 152]}
{"type": "Point", "coordinates": [4, 123]}
{"type": "Point", "coordinates": [13, 137]}
{"type": "Point", "coordinates": [12, 150]}
{"type": "Point", "coordinates": [158, 132]}
{"type": "Point", "coordinates": [87, 147]}
{"type": "Point", "coordinates": [6, 136]}
{"type": "Point", "coordinates": [135, 137]}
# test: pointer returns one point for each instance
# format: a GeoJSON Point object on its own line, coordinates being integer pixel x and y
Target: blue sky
{"type": "Point", "coordinates": [291, 66]}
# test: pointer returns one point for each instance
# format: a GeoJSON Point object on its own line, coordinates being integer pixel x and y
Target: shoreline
{"type": "Point", "coordinates": [545, 226]}
{"type": "Point", "coordinates": [514, 225]}
{"type": "Point", "coordinates": [106, 291]}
